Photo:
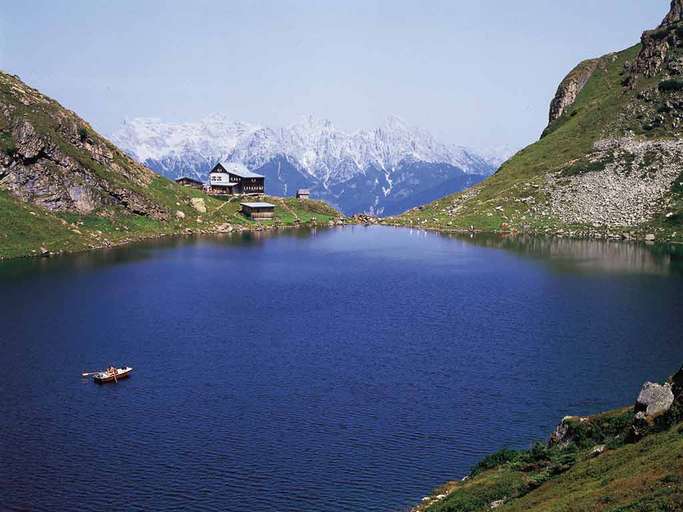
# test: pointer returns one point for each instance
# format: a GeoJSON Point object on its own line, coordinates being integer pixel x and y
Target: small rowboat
{"type": "Point", "coordinates": [112, 374]}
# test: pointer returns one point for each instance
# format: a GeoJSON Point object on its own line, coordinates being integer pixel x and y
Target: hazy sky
{"type": "Point", "coordinates": [479, 73]}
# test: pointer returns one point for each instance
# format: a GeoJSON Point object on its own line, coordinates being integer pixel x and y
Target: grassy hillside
{"type": "Point", "coordinates": [609, 165]}
{"type": "Point", "coordinates": [612, 462]}
{"type": "Point", "coordinates": [645, 477]}
{"type": "Point", "coordinates": [27, 229]}
{"type": "Point", "coordinates": [63, 187]}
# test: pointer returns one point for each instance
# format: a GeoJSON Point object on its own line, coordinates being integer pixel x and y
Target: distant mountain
{"type": "Point", "coordinates": [383, 171]}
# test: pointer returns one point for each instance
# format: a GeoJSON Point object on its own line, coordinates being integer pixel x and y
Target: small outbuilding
{"type": "Point", "coordinates": [258, 211]}
{"type": "Point", "coordinates": [186, 181]}
{"type": "Point", "coordinates": [303, 193]}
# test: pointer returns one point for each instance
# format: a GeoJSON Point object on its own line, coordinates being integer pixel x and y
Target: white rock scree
{"type": "Point", "coordinates": [383, 171]}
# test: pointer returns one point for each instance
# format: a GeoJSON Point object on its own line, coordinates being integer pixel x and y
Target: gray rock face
{"type": "Point", "coordinates": [656, 43]}
{"type": "Point", "coordinates": [58, 162]}
{"type": "Point", "coordinates": [571, 86]}
{"type": "Point", "coordinates": [564, 434]}
{"type": "Point", "coordinates": [654, 399]}
{"type": "Point", "coordinates": [675, 13]}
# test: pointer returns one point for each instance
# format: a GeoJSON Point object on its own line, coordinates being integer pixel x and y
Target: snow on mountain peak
{"type": "Point", "coordinates": [315, 143]}
{"type": "Point", "coordinates": [389, 167]}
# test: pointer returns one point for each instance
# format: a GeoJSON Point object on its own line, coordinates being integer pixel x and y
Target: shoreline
{"type": "Point", "coordinates": [633, 236]}
{"type": "Point", "coordinates": [355, 220]}
{"type": "Point", "coordinates": [189, 232]}
{"type": "Point", "coordinates": [573, 451]}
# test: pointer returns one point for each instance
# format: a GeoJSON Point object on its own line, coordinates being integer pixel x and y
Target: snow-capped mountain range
{"type": "Point", "coordinates": [383, 171]}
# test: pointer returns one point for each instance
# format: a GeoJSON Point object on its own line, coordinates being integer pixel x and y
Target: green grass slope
{"type": "Point", "coordinates": [64, 188]}
{"type": "Point", "coordinates": [643, 477]}
{"type": "Point", "coordinates": [611, 462]}
{"type": "Point", "coordinates": [615, 103]}
{"type": "Point", "coordinates": [28, 230]}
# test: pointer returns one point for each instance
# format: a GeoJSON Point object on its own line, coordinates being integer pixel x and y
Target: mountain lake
{"type": "Point", "coordinates": [353, 368]}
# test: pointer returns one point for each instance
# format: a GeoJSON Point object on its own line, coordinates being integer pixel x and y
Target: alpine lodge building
{"type": "Point", "coordinates": [228, 178]}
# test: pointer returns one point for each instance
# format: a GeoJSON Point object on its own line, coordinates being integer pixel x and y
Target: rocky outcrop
{"type": "Point", "coordinates": [675, 13]}
{"type": "Point", "coordinates": [53, 159]}
{"type": "Point", "coordinates": [570, 87]}
{"type": "Point", "coordinates": [198, 204]}
{"type": "Point", "coordinates": [657, 43]}
{"type": "Point", "coordinates": [654, 399]}
{"type": "Point", "coordinates": [565, 433]}
{"type": "Point", "coordinates": [658, 406]}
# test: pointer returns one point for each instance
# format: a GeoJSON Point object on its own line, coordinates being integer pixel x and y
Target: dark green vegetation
{"type": "Point", "coordinates": [634, 99]}
{"type": "Point", "coordinates": [671, 85]}
{"type": "Point", "coordinates": [65, 188]}
{"type": "Point", "coordinates": [598, 463]}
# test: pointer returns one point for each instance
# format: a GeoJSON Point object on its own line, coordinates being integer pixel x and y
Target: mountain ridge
{"type": "Point", "coordinates": [608, 165]}
{"type": "Point", "coordinates": [314, 155]}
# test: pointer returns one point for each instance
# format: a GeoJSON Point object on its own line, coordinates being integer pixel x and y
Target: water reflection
{"type": "Point", "coordinates": [139, 251]}
{"type": "Point", "coordinates": [562, 254]}
{"type": "Point", "coordinates": [585, 256]}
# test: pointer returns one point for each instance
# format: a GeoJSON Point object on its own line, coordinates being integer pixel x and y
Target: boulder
{"type": "Point", "coordinates": [198, 204]}
{"type": "Point", "coordinates": [654, 399]}
{"type": "Point", "coordinates": [565, 432]}
{"type": "Point", "coordinates": [597, 451]}
{"type": "Point", "coordinates": [179, 215]}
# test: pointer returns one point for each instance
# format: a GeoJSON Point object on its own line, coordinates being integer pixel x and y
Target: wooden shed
{"type": "Point", "coordinates": [258, 211]}
{"type": "Point", "coordinates": [189, 182]}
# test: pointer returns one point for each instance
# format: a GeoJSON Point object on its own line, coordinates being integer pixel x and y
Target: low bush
{"type": "Point", "coordinates": [496, 459]}
{"type": "Point", "coordinates": [7, 144]}
{"type": "Point", "coordinates": [608, 428]}
{"type": "Point", "coordinates": [584, 166]}
{"type": "Point", "coordinates": [670, 85]}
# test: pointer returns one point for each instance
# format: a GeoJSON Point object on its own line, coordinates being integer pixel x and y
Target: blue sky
{"type": "Point", "coordinates": [478, 73]}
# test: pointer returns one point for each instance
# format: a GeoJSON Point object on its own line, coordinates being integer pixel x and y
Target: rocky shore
{"type": "Point", "coordinates": [570, 459]}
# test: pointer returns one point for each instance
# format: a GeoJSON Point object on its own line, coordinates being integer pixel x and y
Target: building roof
{"type": "Point", "coordinates": [303, 191]}
{"type": "Point", "coordinates": [188, 179]}
{"type": "Point", "coordinates": [238, 170]}
{"type": "Point", "coordinates": [258, 205]}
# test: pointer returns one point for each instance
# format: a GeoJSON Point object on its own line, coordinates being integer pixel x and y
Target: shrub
{"type": "Point", "coordinates": [583, 166]}
{"type": "Point", "coordinates": [495, 460]}
{"type": "Point", "coordinates": [539, 452]}
{"type": "Point", "coordinates": [659, 34]}
{"type": "Point", "coordinates": [670, 85]}
{"type": "Point", "coordinates": [7, 144]}
{"type": "Point", "coordinates": [82, 133]}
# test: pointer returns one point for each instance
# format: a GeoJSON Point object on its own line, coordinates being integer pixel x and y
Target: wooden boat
{"type": "Point", "coordinates": [112, 374]}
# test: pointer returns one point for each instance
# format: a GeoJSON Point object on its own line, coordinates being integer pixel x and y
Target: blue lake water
{"type": "Point", "coordinates": [345, 369]}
